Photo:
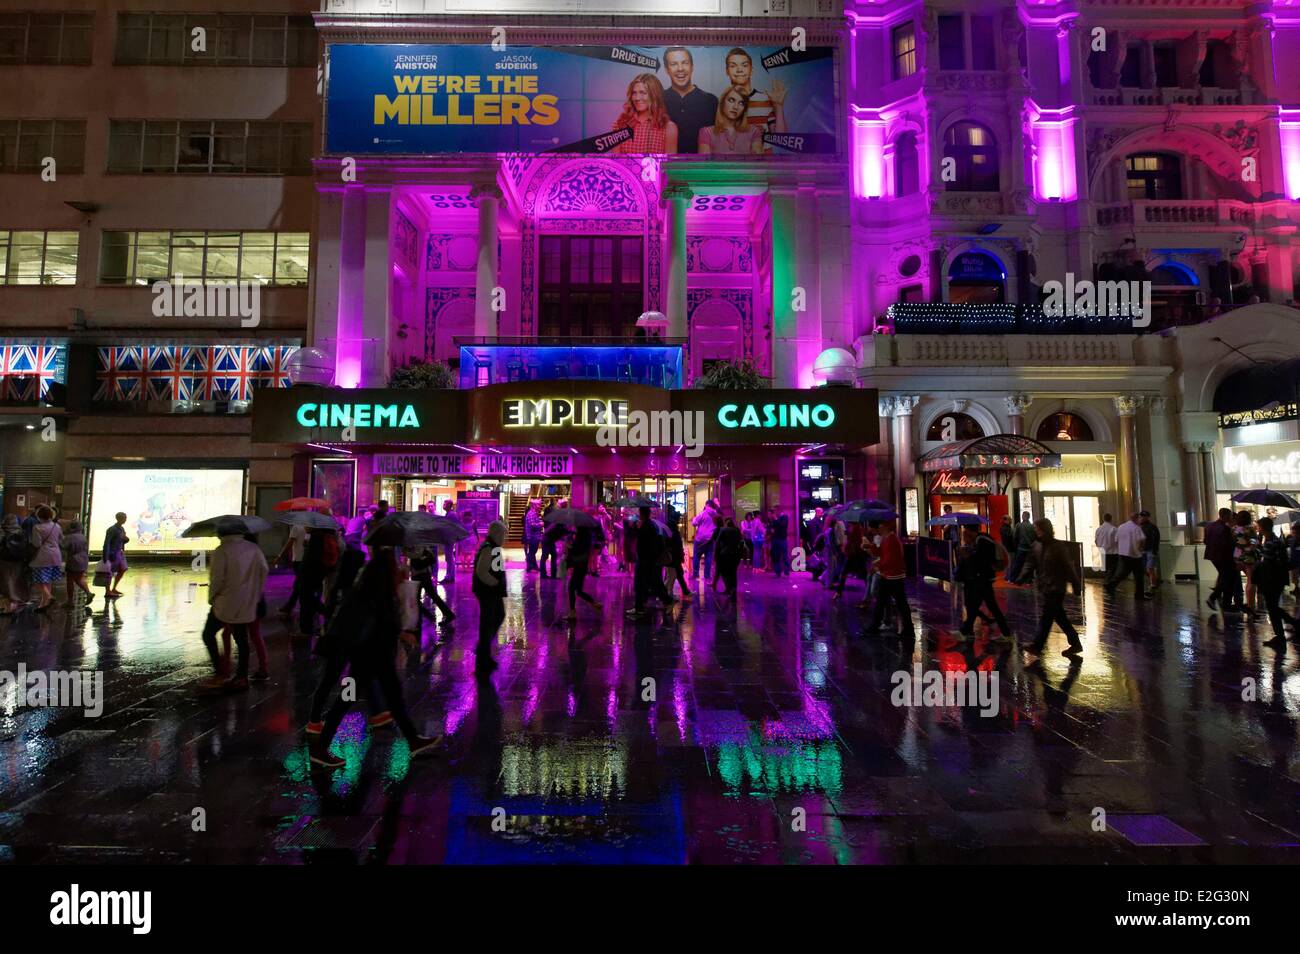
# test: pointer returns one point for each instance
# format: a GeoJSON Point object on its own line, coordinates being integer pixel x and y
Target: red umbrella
{"type": "Point", "coordinates": [302, 503]}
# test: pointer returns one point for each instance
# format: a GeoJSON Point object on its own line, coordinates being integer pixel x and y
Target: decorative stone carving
{"type": "Point", "coordinates": [1239, 136]}
{"type": "Point", "coordinates": [969, 203]}
{"type": "Point", "coordinates": [675, 191]}
{"type": "Point", "coordinates": [1158, 404]}
{"type": "Point", "coordinates": [1127, 405]}
{"type": "Point", "coordinates": [485, 190]}
{"type": "Point", "coordinates": [905, 405]}
{"type": "Point", "coordinates": [1017, 404]}
{"type": "Point", "coordinates": [886, 406]}
{"type": "Point", "coordinates": [591, 187]}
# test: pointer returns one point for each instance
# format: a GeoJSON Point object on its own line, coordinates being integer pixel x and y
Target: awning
{"type": "Point", "coordinates": [995, 452]}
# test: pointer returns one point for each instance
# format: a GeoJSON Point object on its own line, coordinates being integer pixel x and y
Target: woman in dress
{"type": "Point", "coordinates": [47, 564]}
{"type": "Point", "coordinates": [646, 114]}
{"type": "Point", "coordinates": [1245, 554]}
{"type": "Point", "coordinates": [730, 134]}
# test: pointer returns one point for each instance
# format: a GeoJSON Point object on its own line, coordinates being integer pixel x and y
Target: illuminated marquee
{"type": "Point", "coordinates": [563, 412]}
{"type": "Point", "coordinates": [776, 415]}
{"type": "Point", "coordinates": [357, 415]}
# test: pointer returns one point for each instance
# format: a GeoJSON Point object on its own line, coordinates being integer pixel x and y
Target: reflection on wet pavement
{"type": "Point", "coordinates": [759, 734]}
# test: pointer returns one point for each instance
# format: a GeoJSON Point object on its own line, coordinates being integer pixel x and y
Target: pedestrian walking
{"type": "Point", "coordinates": [1130, 541]}
{"type": "Point", "coordinates": [533, 532]}
{"type": "Point", "coordinates": [1007, 533]}
{"type": "Point", "coordinates": [1270, 577]}
{"type": "Point", "coordinates": [1106, 539]}
{"type": "Point", "coordinates": [1293, 549]}
{"type": "Point", "coordinates": [976, 570]}
{"type": "Point", "coordinates": [780, 536]}
{"type": "Point", "coordinates": [490, 590]}
{"type": "Point", "coordinates": [1219, 546]}
{"type": "Point", "coordinates": [647, 579]}
{"type": "Point", "coordinates": [551, 537]}
{"type": "Point", "coordinates": [854, 555]}
{"type": "Point", "coordinates": [579, 562]}
{"type": "Point", "coordinates": [675, 574]}
{"type": "Point", "coordinates": [76, 560]}
{"type": "Point", "coordinates": [892, 584]}
{"type": "Point", "coordinates": [728, 549]}
{"type": "Point", "coordinates": [294, 548]}
{"type": "Point", "coordinates": [422, 561]}
{"type": "Point", "coordinates": [236, 575]}
{"type": "Point", "coordinates": [1025, 540]}
{"type": "Point", "coordinates": [758, 531]}
{"type": "Point", "coordinates": [706, 525]}
{"type": "Point", "coordinates": [363, 636]}
{"type": "Point", "coordinates": [115, 541]}
{"type": "Point", "coordinates": [1245, 554]}
{"type": "Point", "coordinates": [46, 562]}
{"type": "Point", "coordinates": [449, 511]}
{"type": "Point", "coordinates": [1054, 569]}
{"type": "Point", "coordinates": [1150, 549]}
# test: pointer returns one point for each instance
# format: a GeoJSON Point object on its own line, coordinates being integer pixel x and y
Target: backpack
{"type": "Point", "coordinates": [329, 554]}
{"type": "Point", "coordinates": [1001, 559]}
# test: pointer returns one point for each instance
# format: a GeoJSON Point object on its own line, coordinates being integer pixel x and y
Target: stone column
{"type": "Point", "coordinates": [883, 472]}
{"type": "Point", "coordinates": [1130, 491]}
{"type": "Point", "coordinates": [1016, 404]}
{"type": "Point", "coordinates": [1209, 480]}
{"type": "Point", "coordinates": [350, 326]}
{"type": "Point", "coordinates": [1194, 497]}
{"type": "Point", "coordinates": [785, 321]}
{"type": "Point", "coordinates": [378, 279]}
{"type": "Point", "coordinates": [904, 464]}
{"type": "Point", "coordinates": [488, 198]}
{"type": "Point", "coordinates": [808, 315]}
{"type": "Point", "coordinates": [675, 198]}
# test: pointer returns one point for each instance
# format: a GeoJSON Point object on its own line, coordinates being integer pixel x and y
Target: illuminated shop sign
{"type": "Point", "coordinates": [474, 465]}
{"type": "Point", "coordinates": [948, 482]}
{"type": "Point", "coordinates": [563, 412]}
{"type": "Point", "coordinates": [1279, 412]}
{"type": "Point", "coordinates": [1077, 473]}
{"type": "Point", "coordinates": [776, 415]}
{"type": "Point", "coordinates": [1265, 465]}
{"type": "Point", "coordinates": [357, 415]}
{"type": "Point", "coordinates": [993, 462]}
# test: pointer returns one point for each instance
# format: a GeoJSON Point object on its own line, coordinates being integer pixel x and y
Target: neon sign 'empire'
{"type": "Point", "coordinates": [561, 412]}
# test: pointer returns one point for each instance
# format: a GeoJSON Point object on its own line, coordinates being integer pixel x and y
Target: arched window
{"type": "Point", "coordinates": [975, 155]}
{"type": "Point", "coordinates": [906, 167]}
{"type": "Point", "coordinates": [1173, 274]}
{"type": "Point", "coordinates": [976, 278]}
{"type": "Point", "coordinates": [1064, 426]}
{"type": "Point", "coordinates": [954, 426]}
{"type": "Point", "coordinates": [1154, 175]}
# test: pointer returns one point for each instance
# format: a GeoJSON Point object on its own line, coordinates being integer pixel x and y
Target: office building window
{"type": "Point", "coordinates": [38, 258]}
{"type": "Point", "coordinates": [166, 39]}
{"type": "Point", "coordinates": [904, 51]}
{"type": "Point", "coordinates": [141, 258]}
{"type": "Point", "coordinates": [26, 143]}
{"type": "Point", "coordinates": [34, 39]}
{"type": "Point", "coordinates": [209, 147]}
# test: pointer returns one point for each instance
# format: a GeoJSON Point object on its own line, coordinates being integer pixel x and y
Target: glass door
{"type": "Point", "coordinates": [1087, 518]}
{"type": "Point", "coordinates": [1057, 510]}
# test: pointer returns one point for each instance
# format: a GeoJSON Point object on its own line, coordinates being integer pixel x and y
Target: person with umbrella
{"type": "Point", "coordinates": [578, 562]}
{"type": "Point", "coordinates": [550, 536]}
{"type": "Point", "coordinates": [297, 542]}
{"type": "Point", "coordinates": [1293, 548]}
{"type": "Point", "coordinates": [449, 513]}
{"type": "Point", "coordinates": [976, 571]}
{"type": "Point", "coordinates": [320, 558]}
{"type": "Point", "coordinates": [236, 575]}
{"type": "Point", "coordinates": [364, 636]}
{"type": "Point", "coordinates": [892, 570]}
{"type": "Point", "coordinates": [423, 560]}
{"type": "Point", "coordinates": [1245, 554]}
{"type": "Point", "coordinates": [490, 590]}
{"type": "Point", "coordinates": [1270, 576]}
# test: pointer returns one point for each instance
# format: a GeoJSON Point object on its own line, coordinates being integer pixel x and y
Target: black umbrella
{"type": "Point", "coordinates": [636, 502]}
{"type": "Point", "coordinates": [415, 528]}
{"type": "Point", "coordinates": [571, 517]}
{"type": "Point", "coordinates": [1267, 498]}
{"type": "Point", "coordinates": [226, 525]}
{"type": "Point", "coordinates": [308, 518]}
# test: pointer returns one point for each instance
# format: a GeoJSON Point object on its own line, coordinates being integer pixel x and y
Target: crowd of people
{"type": "Point", "coordinates": [41, 550]}
{"type": "Point", "coordinates": [359, 601]}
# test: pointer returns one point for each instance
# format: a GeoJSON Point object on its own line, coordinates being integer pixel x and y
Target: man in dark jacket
{"type": "Point", "coordinates": [1051, 561]}
{"type": "Point", "coordinates": [976, 573]}
{"type": "Point", "coordinates": [648, 578]}
{"type": "Point", "coordinates": [1008, 534]}
{"type": "Point", "coordinates": [1218, 553]}
{"type": "Point", "coordinates": [1025, 540]}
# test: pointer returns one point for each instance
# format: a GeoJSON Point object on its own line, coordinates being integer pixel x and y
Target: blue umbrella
{"type": "Point", "coordinates": [957, 520]}
{"type": "Point", "coordinates": [1267, 498]}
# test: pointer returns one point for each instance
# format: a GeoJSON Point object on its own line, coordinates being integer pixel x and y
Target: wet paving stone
{"type": "Point", "coordinates": [771, 737]}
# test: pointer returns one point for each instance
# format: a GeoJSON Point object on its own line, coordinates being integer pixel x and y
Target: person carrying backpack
{"type": "Point", "coordinates": [13, 561]}
{"type": "Point", "coordinates": [984, 559]}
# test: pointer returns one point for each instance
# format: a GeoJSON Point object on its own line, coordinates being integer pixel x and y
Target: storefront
{"type": "Point", "coordinates": [1075, 496]}
{"type": "Point", "coordinates": [975, 476]}
{"type": "Point", "coordinates": [1254, 456]}
{"type": "Point", "coordinates": [493, 449]}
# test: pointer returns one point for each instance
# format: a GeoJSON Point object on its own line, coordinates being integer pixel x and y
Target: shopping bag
{"type": "Point", "coordinates": [103, 573]}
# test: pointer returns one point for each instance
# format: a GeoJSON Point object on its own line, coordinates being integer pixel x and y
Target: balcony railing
{"type": "Point", "coordinates": [945, 318]}
{"type": "Point", "coordinates": [1171, 96]}
{"type": "Point", "coordinates": [1148, 212]}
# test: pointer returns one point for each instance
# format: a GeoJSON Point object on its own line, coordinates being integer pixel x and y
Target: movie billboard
{"type": "Point", "coordinates": [621, 100]}
{"type": "Point", "coordinates": [160, 504]}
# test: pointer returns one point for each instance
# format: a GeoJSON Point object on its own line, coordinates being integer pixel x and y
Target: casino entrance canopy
{"type": "Point", "coordinates": [996, 452]}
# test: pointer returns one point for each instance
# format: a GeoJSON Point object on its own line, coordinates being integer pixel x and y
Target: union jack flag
{"type": "Point", "coordinates": [168, 379]}
{"type": "Point", "coordinates": [121, 373]}
{"type": "Point", "coordinates": [235, 373]}
{"type": "Point", "coordinates": [200, 364]}
{"type": "Point", "coordinates": [28, 370]}
{"type": "Point", "coordinates": [272, 367]}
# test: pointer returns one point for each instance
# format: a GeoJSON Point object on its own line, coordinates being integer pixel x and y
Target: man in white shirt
{"type": "Point", "coordinates": [1130, 540]}
{"type": "Point", "coordinates": [1107, 541]}
{"type": "Point", "coordinates": [293, 548]}
{"type": "Point", "coordinates": [236, 576]}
